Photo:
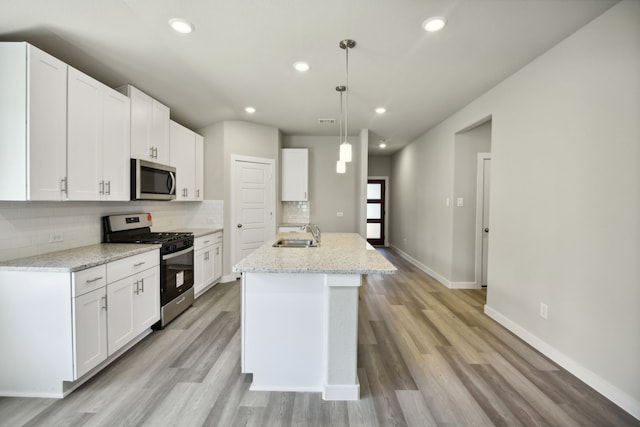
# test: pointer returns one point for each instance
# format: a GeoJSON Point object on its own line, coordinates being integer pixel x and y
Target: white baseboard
{"type": "Point", "coordinates": [617, 396]}
{"type": "Point", "coordinates": [464, 285]}
{"type": "Point", "coordinates": [422, 267]}
{"type": "Point", "coordinates": [341, 392]}
{"type": "Point", "coordinates": [230, 277]}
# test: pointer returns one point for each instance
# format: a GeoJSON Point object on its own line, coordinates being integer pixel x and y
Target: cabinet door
{"type": "Point", "coordinates": [160, 133]}
{"type": "Point", "coordinates": [115, 146]}
{"type": "Point", "coordinates": [47, 122]}
{"type": "Point", "coordinates": [199, 167]}
{"type": "Point", "coordinates": [295, 175]}
{"type": "Point", "coordinates": [199, 261]}
{"type": "Point", "coordinates": [141, 124]}
{"type": "Point", "coordinates": [84, 125]}
{"type": "Point", "coordinates": [120, 322]}
{"type": "Point", "coordinates": [182, 158]}
{"type": "Point", "coordinates": [89, 331]}
{"type": "Point", "coordinates": [217, 261]}
{"type": "Point", "coordinates": [147, 299]}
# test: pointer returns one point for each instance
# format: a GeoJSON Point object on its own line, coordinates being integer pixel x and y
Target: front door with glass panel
{"type": "Point", "coordinates": [375, 211]}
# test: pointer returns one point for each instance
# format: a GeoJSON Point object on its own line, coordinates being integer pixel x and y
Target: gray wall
{"type": "Point", "coordinates": [467, 146]}
{"type": "Point", "coordinates": [330, 192]}
{"type": "Point", "coordinates": [222, 140]}
{"type": "Point", "coordinates": [379, 165]}
{"type": "Point", "coordinates": [565, 202]}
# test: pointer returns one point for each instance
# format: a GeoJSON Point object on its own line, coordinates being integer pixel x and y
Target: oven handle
{"type": "Point", "coordinates": [175, 254]}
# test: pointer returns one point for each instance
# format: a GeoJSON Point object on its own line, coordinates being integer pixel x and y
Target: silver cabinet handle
{"type": "Point", "coordinates": [151, 154]}
{"type": "Point", "coordinates": [217, 251]}
{"type": "Point", "coordinates": [138, 264]}
{"type": "Point", "coordinates": [108, 188]}
{"type": "Point", "coordinates": [198, 192]}
{"type": "Point", "coordinates": [104, 307]}
{"type": "Point", "coordinates": [206, 241]}
{"type": "Point", "coordinates": [63, 185]}
{"type": "Point", "coordinates": [137, 290]}
{"type": "Point", "coordinates": [94, 279]}
{"type": "Point", "coordinates": [142, 285]}
{"type": "Point", "coordinates": [101, 184]}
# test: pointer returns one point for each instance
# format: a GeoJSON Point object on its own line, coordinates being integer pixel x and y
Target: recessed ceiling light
{"type": "Point", "coordinates": [381, 110]}
{"type": "Point", "coordinates": [301, 66]}
{"type": "Point", "coordinates": [250, 110]}
{"type": "Point", "coordinates": [382, 145]}
{"type": "Point", "coordinates": [181, 26]}
{"type": "Point", "coordinates": [434, 24]}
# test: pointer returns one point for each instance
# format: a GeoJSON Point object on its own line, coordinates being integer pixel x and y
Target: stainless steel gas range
{"type": "Point", "coordinates": [176, 259]}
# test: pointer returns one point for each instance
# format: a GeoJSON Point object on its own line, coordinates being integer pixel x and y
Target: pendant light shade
{"type": "Point", "coordinates": [345, 152]}
{"type": "Point", "coordinates": [341, 167]}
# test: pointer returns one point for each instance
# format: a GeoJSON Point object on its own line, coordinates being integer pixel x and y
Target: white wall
{"type": "Point", "coordinates": [330, 192]}
{"type": "Point", "coordinates": [379, 165]}
{"type": "Point", "coordinates": [565, 201]}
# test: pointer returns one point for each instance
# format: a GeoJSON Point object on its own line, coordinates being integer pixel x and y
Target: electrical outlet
{"type": "Point", "coordinates": [339, 213]}
{"type": "Point", "coordinates": [55, 237]}
{"type": "Point", "coordinates": [544, 310]}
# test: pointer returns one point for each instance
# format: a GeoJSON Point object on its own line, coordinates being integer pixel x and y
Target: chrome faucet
{"type": "Point", "coordinates": [315, 231]}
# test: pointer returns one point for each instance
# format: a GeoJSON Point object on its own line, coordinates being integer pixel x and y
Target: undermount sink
{"type": "Point", "coordinates": [295, 243]}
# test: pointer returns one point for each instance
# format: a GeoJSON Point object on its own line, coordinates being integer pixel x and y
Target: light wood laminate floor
{"type": "Point", "coordinates": [428, 356]}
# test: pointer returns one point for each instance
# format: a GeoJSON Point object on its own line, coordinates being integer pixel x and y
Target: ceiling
{"type": "Point", "coordinates": [241, 53]}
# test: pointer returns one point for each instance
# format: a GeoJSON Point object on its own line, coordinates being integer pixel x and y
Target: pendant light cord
{"type": "Point", "coordinates": [346, 113]}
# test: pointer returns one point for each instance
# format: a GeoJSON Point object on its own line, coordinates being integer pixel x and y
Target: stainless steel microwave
{"type": "Point", "coordinates": [152, 181]}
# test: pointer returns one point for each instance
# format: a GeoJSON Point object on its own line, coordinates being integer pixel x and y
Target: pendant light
{"type": "Point", "coordinates": [345, 147]}
{"type": "Point", "coordinates": [341, 166]}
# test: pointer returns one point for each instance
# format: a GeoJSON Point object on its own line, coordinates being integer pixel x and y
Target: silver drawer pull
{"type": "Point", "coordinates": [94, 280]}
{"type": "Point", "coordinates": [181, 300]}
{"type": "Point", "coordinates": [206, 241]}
{"type": "Point", "coordinates": [138, 264]}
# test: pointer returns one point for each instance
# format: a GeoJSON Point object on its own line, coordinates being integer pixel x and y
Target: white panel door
{"type": "Point", "coordinates": [485, 219]}
{"type": "Point", "coordinates": [120, 321]}
{"type": "Point", "coordinates": [116, 146]}
{"type": "Point", "coordinates": [84, 141]}
{"type": "Point", "coordinates": [89, 331]}
{"type": "Point", "coordinates": [253, 206]}
{"type": "Point", "coordinates": [146, 299]}
{"type": "Point", "coordinates": [47, 126]}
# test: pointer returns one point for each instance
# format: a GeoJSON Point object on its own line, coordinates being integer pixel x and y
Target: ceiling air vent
{"type": "Point", "coordinates": [327, 121]}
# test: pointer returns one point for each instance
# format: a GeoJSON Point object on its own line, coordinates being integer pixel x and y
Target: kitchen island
{"type": "Point", "coordinates": [300, 314]}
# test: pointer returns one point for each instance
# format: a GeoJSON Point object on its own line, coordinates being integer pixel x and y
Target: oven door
{"type": "Point", "coordinates": [176, 274]}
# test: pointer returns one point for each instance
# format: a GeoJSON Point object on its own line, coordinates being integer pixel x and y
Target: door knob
{"type": "Point", "coordinates": [486, 230]}
{"type": "Point", "coordinates": [239, 225]}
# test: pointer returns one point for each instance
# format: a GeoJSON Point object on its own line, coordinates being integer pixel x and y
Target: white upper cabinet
{"type": "Point", "coordinates": [150, 134]}
{"type": "Point", "coordinates": [33, 117]}
{"type": "Point", "coordinates": [187, 156]}
{"type": "Point", "coordinates": [97, 140]}
{"type": "Point", "coordinates": [295, 174]}
{"type": "Point", "coordinates": [199, 168]}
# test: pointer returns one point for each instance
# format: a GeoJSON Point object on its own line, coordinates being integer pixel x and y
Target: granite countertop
{"type": "Point", "coordinates": [77, 259]}
{"type": "Point", "coordinates": [338, 253]}
{"type": "Point", "coordinates": [197, 232]}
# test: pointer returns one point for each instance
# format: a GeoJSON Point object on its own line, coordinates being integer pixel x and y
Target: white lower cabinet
{"type": "Point", "coordinates": [113, 304]}
{"type": "Point", "coordinates": [134, 305]}
{"type": "Point", "coordinates": [65, 326]}
{"type": "Point", "coordinates": [207, 262]}
{"type": "Point", "coordinates": [90, 331]}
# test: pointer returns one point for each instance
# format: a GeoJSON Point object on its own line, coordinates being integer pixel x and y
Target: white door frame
{"type": "Point", "coordinates": [234, 187]}
{"type": "Point", "coordinates": [479, 213]}
{"type": "Point", "coordinates": [386, 207]}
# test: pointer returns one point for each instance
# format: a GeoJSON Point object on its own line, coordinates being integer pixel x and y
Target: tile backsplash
{"type": "Point", "coordinates": [295, 212]}
{"type": "Point", "coordinates": [31, 228]}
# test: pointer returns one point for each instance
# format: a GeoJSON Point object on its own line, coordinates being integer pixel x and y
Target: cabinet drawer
{"type": "Point", "coordinates": [84, 281]}
{"type": "Point", "coordinates": [122, 268]}
{"type": "Point", "coordinates": [208, 240]}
